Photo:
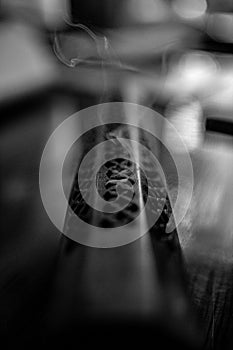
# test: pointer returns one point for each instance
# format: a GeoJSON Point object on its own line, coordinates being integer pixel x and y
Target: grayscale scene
{"type": "Point", "coordinates": [116, 158]}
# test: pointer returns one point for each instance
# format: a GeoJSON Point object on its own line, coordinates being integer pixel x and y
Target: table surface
{"type": "Point", "coordinates": [47, 280]}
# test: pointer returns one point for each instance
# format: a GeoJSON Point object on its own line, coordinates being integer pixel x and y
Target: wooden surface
{"type": "Point", "coordinates": [48, 281]}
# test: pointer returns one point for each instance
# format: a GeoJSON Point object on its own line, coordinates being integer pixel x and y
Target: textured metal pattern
{"type": "Point", "coordinates": [120, 178]}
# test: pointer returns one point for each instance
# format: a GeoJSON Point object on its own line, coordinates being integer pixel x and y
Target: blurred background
{"type": "Point", "coordinates": [60, 56]}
